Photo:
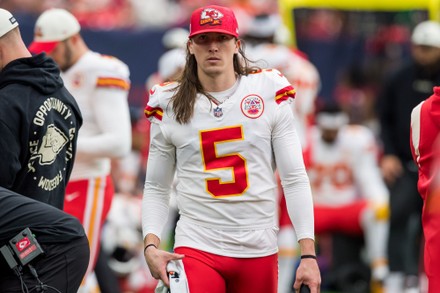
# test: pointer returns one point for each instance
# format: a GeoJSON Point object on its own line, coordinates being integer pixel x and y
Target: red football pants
{"type": "Point", "coordinates": [431, 230]}
{"type": "Point", "coordinates": [89, 201]}
{"type": "Point", "coordinates": [211, 273]}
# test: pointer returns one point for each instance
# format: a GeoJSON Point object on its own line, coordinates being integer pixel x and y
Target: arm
{"type": "Point", "coordinates": [158, 181]}
{"type": "Point", "coordinates": [390, 164]}
{"type": "Point", "coordinates": [111, 113]}
{"type": "Point", "coordinates": [297, 191]}
{"type": "Point", "coordinates": [294, 179]}
{"type": "Point", "coordinates": [155, 203]}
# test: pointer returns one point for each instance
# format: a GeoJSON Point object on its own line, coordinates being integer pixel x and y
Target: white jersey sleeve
{"type": "Point", "coordinates": [290, 163]}
{"type": "Point", "coordinates": [157, 189]}
{"type": "Point", "coordinates": [109, 100]}
{"type": "Point", "coordinates": [100, 85]}
{"type": "Point", "coordinates": [294, 179]}
{"type": "Point", "coordinates": [161, 159]}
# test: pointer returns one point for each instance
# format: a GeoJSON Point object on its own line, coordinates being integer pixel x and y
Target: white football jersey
{"type": "Point", "coordinates": [100, 85]}
{"type": "Point", "coordinates": [226, 163]}
{"type": "Point", "coordinates": [342, 172]}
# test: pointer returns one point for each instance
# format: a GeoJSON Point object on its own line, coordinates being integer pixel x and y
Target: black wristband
{"type": "Point", "coordinates": [308, 256]}
{"type": "Point", "coordinates": [151, 244]}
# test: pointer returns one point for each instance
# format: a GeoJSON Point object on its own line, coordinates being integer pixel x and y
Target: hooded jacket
{"type": "Point", "coordinates": [39, 123]}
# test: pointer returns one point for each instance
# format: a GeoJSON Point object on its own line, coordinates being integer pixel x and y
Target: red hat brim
{"type": "Point", "coordinates": [212, 30]}
{"type": "Point", "coordinates": [39, 47]}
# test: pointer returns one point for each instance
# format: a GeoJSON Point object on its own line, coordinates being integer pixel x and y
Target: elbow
{"type": "Point", "coordinates": [122, 148]}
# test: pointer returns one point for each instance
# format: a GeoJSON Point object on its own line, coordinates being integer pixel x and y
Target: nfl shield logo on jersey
{"type": "Point", "coordinates": [218, 112]}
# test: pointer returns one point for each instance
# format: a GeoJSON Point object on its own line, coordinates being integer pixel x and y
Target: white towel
{"type": "Point", "coordinates": [177, 277]}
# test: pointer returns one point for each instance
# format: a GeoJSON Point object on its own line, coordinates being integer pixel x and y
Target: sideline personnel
{"type": "Point", "coordinates": [100, 85]}
{"type": "Point", "coordinates": [39, 120]}
{"type": "Point", "coordinates": [425, 139]}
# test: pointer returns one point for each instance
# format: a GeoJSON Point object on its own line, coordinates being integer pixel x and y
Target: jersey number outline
{"type": "Point", "coordinates": [339, 175]}
{"type": "Point", "coordinates": [234, 161]}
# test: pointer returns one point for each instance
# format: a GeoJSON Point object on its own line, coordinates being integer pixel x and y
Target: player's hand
{"type": "Point", "coordinates": [391, 168]}
{"type": "Point", "coordinates": [157, 261]}
{"type": "Point", "coordinates": [308, 274]}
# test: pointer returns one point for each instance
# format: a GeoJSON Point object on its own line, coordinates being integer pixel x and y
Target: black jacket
{"type": "Point", "coordinates": [404, 90]}
{"type": "Point", "coordinates": [39, 123]}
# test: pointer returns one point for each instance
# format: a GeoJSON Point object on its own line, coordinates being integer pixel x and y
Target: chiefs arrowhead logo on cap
{"type": "Point", "coordinates": [213, 19]}
{"type": "Point", "coordinates": [211, 16]}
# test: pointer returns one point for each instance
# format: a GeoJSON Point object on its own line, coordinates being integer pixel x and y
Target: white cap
{"type": "Point", "coordinates": [264, 25]}
{"type": "Point", "coordinates": [53, 26]}
{"type": "Point", "coordinates": [7, 22]}
{"type": "Point", "coordinates": [427, 33]}
{"type": "Point", "coordinates": [170, 62]}
{"type": "Point", "coordinates": [175, 38]}
{"type": "Point", "coordinates": [282, 35]}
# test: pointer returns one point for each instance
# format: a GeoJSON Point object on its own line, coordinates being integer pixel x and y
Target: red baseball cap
{"type": "Point", "coordinates": [213, 19]}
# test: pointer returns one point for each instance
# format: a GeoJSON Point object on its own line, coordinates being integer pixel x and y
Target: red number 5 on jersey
{"type": "Point", "coordinates": [234, 161]}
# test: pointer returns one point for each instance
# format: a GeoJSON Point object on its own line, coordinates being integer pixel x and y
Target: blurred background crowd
{"type": "Point", "coordinates": [353, 51]}
{"type": "Point", "coordinates": [133, 14]}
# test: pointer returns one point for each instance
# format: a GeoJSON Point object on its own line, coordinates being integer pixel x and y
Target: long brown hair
{"type": "Point", "coordinates": [189, 84]}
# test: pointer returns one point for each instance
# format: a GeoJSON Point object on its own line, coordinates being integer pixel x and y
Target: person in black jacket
{"type": "Point", "coordinates": [39, 120]}
{"type": "Point", "coordinates": [405, 89]}
{"type": "Point", "coordinates": [60, 235]}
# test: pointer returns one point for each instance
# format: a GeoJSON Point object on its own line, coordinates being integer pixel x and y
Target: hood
{"type": "Point", "coordinates": [39, 71]}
